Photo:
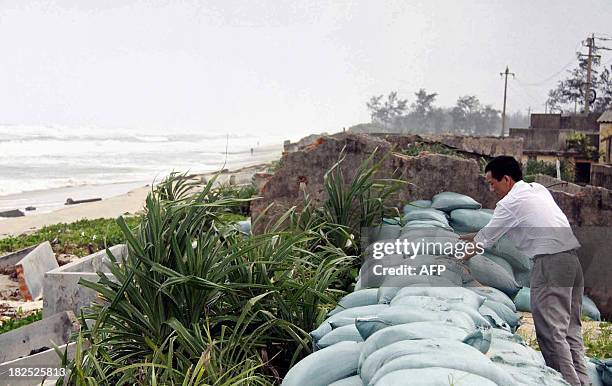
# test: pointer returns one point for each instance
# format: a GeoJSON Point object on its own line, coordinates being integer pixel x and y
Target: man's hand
{"type": "Point", "coordinates": [468, 237]}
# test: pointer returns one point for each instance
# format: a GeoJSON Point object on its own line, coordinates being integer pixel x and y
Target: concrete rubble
{"type": "Point", "coordinates": [61, 288]}
{"type": "Point", "coordinates": [31, 270]}
{"type": "Point", "coordinates": [38, 336]}
{"type": "Point", "coordinates": [33, 344]}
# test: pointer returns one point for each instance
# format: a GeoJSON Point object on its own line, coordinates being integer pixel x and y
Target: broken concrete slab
{"type": "Point", "coordinates": [55, 330]}
{"type": "Point", "coordinates": [48, 359]}
{"type": "Point", "coordinates": [61, 288]}
{"type": "Point", "coordinates": [8, 261]}
{"type": "Point", "coordinates": [31, 270]}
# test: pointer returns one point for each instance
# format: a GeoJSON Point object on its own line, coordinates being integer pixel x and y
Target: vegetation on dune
{"type": "Point", "coordinates": [197, 303]}
{"type": "Point", "coordinates": [21, 320]}
{"type": "Point", "coordinates": [80, 238]}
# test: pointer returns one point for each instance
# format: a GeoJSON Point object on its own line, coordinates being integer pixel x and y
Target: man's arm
{"type": "Point", "coordinates": [502, 220]}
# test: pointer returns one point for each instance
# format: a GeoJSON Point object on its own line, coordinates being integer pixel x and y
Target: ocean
{"type": "Point", "coordinates": [48, 158]}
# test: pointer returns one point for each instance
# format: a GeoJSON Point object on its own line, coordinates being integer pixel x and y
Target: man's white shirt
{"type": "Point", "coordinates": [530, 217]}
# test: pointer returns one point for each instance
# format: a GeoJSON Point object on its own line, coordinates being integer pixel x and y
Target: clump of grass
{"type": "Point", "coordinates": [20, 320]}
{"type": "Point", "coordinates": [598, 344]}
{"type": "Point", "coordinates": [416, 148]}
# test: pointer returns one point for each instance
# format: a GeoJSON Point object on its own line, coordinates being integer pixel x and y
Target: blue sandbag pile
{"type": "Point", "coordinates": [454, 328]}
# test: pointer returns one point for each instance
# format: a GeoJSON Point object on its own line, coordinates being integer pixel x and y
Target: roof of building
{"type": "Point", "coordinates": [605, 117]}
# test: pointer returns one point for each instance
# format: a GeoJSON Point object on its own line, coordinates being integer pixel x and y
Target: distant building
{"type": "Point", "coordinates": [601, 173]}
{"type": "Point", "coordinates": [547, 135]}
{"type": "Point", "coordinates": [605, 137]}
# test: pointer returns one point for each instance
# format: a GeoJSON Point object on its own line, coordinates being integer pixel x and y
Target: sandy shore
{"type": "Point", "coordinates": [130, 202]}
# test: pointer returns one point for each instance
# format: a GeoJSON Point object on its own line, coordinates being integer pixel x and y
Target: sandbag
{"type": "Point", "coordinates": [411, 331]}
{"type": "Point", "coordinates": [501, 262]}
{"type": "Point", "coordinates": [488, 273]}
{"type": "Point", "coordinates": [391, 220]}
{"type": "Point", "coordinates": [480, 365]}
{"type": "Point", "coordinates": [325, 366]}
{"type": "Point", "coordinates": [494, 319]}
{"type": "Point", "coordinates": [523, 278]}
{"type": "Point", "coordinates": [594, 375]}
{"type": "Point", "coordinates": [349, 313]}
{"type": "Point", "coordinates": [455, 294]}
{"type": "Point", "coordinates": [433, 376]}
{"type": "Point", "coordinates": [589, 309]}
{"type": "Point", "coordinates": [469, 220]}
{"type": "Point", "coordinates": [358, 285]}
{"type": "Point", "coordinates": [414, 349]}
{"type": "Point", "coordinates": [417, 204]}
{"type": "Point", "coordinates": [425, 214]}
{"type": "Point", "coordinates": [523, 303]}
{"type": "Point", "coordinates": [439, 304]}
{"type": "Point", "coordinates": [505, 248]}
{"type": "Point", "coordinates": [511, 349]}
{"type": "Point", "coordinates": [347, 333]}
{"type": "Point", "coordinates": [511, 317]}
{"type": "Point", "coordinates": [449, 201]}
{"type": "Point", "coordinates": [522, 300]}
{"type": "Point", "coordinates": [410, 232]}
{"type": "Point", "coordinates": [495, 295]}
{"type": "Point", "coordinates": [416, 224]}
{"type": "Point", "coordinates": [533, 375]}
{"type": "Point", "coordinates": [383, 232]}
{"type": "Point", "coordinates": [393, 316]}
{"type": "Point", "coordinates": [387, 293]}
{"type": "Point", "coordinates": [244, 227]}
{"type": "Point", "coordinates": [365, 297]}
{"type": "Point", "coordinates": [604, 369]}
{"type": "Point", "coordinates": [355, 380]}
{"type": "Point", "coordinates": [480, 339]}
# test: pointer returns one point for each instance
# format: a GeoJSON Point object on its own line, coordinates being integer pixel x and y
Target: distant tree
{"type": "Point", "coordinates": [467, 117]}
{"type": "Point", "coordinates": [465, 114]}
{"type": "Point", "coordinates": [422, 110]}
{"type": "Point", "coordinates": [385, 113]}
{"type": "Point", "coordinates": [603, 101]}
{"type": "Point", "coordinates": [570, 92]}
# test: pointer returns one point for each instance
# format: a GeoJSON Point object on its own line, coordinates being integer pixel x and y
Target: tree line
{"type": "Point", "coordinates": [467, 117]}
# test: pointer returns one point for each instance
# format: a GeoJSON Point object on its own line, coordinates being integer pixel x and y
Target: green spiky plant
{"type": "Point", "coordinates": [193, 305]}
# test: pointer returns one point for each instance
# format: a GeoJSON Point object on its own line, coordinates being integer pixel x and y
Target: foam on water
{"type": "Point", "coordinates": [45, 157]}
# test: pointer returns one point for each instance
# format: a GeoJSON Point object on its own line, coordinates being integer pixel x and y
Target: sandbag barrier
{"type": "Point", "coordinates": [440, 330]}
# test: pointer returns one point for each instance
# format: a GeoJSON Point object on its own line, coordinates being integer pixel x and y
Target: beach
{"type": "Point", "coordinates": [117, 198]}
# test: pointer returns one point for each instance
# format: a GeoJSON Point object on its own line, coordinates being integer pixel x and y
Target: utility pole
{"type": "Point", "coordinates": [506, 73]}
{"type": "Point", "coordinates": [587, 94]}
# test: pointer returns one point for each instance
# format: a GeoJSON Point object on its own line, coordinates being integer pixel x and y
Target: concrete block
{"type": "Point", "coordinates": [31, 270]}
{"type": "Point", "coordinates": [55, 330]}
{"type": "Point", "coordinates": [44, 360]}
{"type": "Point", "coordinates": [9, 261]}
{"type": "Point", "coordinates": [61, 288]}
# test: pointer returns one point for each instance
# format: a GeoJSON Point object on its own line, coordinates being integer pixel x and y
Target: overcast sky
{"type": "Point", "coordinates": [283, 67]}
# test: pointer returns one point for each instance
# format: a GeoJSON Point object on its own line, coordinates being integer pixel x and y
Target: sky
{"type": "Point", "coordinates": [274, 66]}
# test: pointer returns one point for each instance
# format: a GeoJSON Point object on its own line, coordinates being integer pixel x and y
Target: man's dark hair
{"type": "Point", "coordinates": [505, 165]}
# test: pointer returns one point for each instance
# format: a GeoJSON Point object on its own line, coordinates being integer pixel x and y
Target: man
{"type": "Point", "coordinates": [528, 214]}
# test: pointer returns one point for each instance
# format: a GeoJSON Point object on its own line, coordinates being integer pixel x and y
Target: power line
{"type": "Point", "coordinates": [569, 63]}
